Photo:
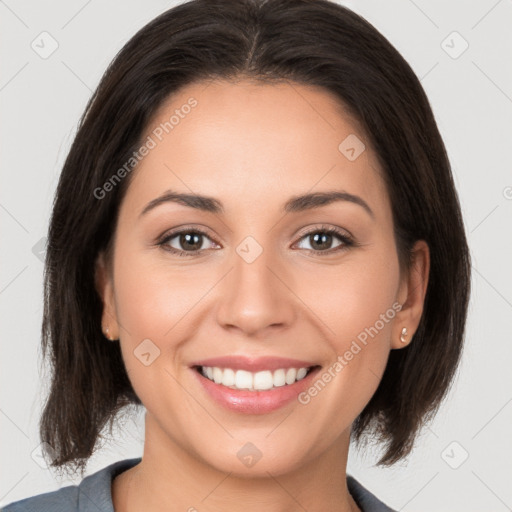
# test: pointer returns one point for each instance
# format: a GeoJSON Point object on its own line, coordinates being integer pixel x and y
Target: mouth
{"type": "Point", "coordinates": [264, 380]}
{"type": "Point", "coordinates": [260, 387]}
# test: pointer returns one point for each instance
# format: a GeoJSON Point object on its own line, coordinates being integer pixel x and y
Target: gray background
{"type": "Point", "coordinates": [471, 95]}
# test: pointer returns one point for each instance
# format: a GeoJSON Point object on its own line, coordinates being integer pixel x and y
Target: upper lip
{"type": "Point", "coordinates": [253, 364]}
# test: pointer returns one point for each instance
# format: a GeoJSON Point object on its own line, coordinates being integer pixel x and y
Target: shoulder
{"type": "Point", "coordinates": [93, 494]}
{"type": "Point", "coordinates": [65, 498]}
{"type": "Point", "coordinates": [365, 500]}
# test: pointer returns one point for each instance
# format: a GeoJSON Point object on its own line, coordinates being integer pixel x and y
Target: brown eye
{"type": "Point", "coordinates": [190, 241]}
{"type": "Point", "coordinates": [187, 242]}
{"type": "Point", "coordinates": [321, 240]}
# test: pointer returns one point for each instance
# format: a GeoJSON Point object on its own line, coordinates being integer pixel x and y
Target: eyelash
{"type": "Point", "coordinates": [347, 241]}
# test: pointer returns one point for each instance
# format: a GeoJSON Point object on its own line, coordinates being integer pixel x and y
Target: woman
{"type": "Point", "coordinates": [254, 212]}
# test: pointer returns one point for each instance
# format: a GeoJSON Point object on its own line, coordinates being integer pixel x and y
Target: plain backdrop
{"type": "Point", "coordinates": [460, 50]}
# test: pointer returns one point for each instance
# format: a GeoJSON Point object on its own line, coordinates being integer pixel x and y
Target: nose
{"type": "Point", "coordinates": [255, 297]}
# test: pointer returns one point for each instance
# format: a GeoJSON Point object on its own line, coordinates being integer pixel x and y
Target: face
{"type": "Point", "coordinates": [251, 280]}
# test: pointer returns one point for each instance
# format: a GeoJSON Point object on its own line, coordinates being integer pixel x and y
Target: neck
{"type": "Point", "coordinates": [170, 478]}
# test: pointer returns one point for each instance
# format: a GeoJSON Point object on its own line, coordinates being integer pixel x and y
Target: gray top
{"type": "Point", "coordinates": [93, 494]}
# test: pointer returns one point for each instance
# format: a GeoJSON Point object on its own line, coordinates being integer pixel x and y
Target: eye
{"type": "Point", "coordinates": [321, 240]}
{"type": "Point", "coordinates": [191, 241]}
{"type": "Point", "coordinates": [188, 242]}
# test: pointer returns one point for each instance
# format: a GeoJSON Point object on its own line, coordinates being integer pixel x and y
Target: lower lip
{"type": "Point", "coordinates": [254, 402]}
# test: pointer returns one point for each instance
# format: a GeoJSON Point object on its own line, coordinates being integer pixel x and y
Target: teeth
{"type": "Point", "coordinates": [301, 373]}
{"type": "Point", "coordinates": [279, 378]}
{"type": "Point", "coordinates": [263, 380]}
{"type": "Point", "coordinates": [228, 377]}
{"type": "Point", "coordinates": [242, 379]}
{"type": "Point", "coordinates": [291, 375]}
{"type": "Point", "coordinates": [217, 375]}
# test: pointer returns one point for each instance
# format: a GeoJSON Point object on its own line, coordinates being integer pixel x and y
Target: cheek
{"type": "Point", "coordinates": [151, 295]}
{"type": "Point", "coordinates": [152, 302]}
{"type": "Point", "coordinates": [356, 303]}
{"type": "Point", "coordinates": [156, 301]}
{"type": "Point", "coordinates": [357, 307]}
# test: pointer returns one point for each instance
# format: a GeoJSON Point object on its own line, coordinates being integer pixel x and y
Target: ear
{"type": "Point", "coordinates": [105, 288]}
{"type": "Point", "coordinates": [412, 296]}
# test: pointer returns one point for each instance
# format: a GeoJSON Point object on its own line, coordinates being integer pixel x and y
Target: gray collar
{"type": "Point", "coordinates": [95, 495]}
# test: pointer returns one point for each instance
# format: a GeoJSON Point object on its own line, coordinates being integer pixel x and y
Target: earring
{"type": "Point", "coordinates": [404, 333]}
{"type": "Point", "coordinates": [107, 335]}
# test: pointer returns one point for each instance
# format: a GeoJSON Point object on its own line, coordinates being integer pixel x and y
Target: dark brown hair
{"type": "Point", "coordinates": [312, 42]}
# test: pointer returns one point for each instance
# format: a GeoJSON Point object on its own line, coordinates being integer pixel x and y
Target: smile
{"type": "Point", "coordinates": [253, 381]}
{"type": "Point", "coordinates": [250, 385]}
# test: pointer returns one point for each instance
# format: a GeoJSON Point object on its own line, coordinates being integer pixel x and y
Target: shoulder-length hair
{"type": "Point", "coordinates": [311, 42]}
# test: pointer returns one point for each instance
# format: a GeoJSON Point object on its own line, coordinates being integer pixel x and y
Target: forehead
{"type": "Point", "coordinates": [245, 141]}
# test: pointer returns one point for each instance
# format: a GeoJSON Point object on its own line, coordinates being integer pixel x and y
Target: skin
{"type": "Point", "coordinates": [251, 145]}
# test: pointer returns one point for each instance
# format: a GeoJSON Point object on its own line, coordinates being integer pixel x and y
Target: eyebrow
{"type": "Point", "coordinates": [294, 204]}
